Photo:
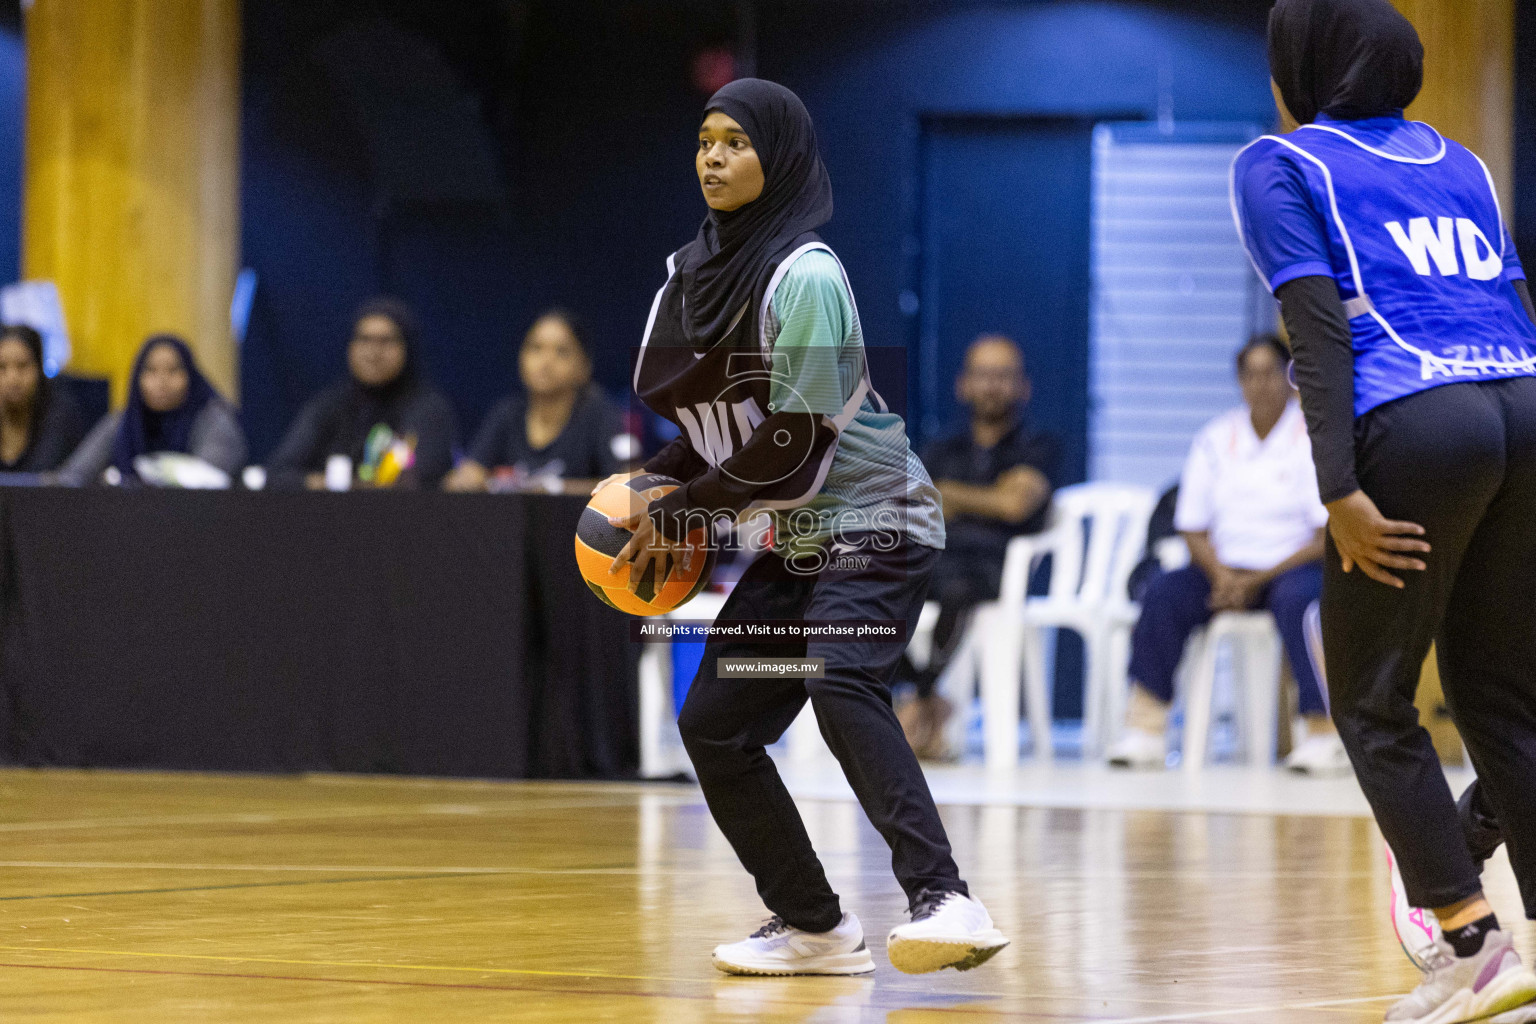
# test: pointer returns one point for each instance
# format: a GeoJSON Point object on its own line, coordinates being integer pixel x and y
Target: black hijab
{"type": "Point", "coordinates": [727, 265]}
{"type": "Point", "coordinates": [360, 407]}
{"type": "Point", "coordinates": [142, 431]}
{"type": "Point", "coordinates": [1349, 59]}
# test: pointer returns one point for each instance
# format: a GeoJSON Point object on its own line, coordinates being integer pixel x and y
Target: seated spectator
{"type": "Point", "coordinates": [563, 433]}
{"type": "Point", "coordinates": [995, 478]}
{"type": "Point", "coordinates": [1248, 507]}
{"type": "Point", "coordinates": [383, 387]}
{"type": "Point", "coordinates": [171, 408]}
{"type": "Point", "coordinates": [40, 422]}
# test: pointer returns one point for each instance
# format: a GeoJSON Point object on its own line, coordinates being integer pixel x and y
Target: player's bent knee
{"type": "Point", "coordinates": [834, 697]}
{"type": "Point", "coordinates": [708, 738]}
{"type": "Point", "coordinates": [694, 727]}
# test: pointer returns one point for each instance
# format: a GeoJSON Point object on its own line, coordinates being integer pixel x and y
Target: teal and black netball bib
{"type": "Point", "coordinates": [717, 394]}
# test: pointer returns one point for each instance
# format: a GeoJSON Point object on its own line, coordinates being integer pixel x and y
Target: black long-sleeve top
{"type": "Point", "coordinates": [56, 433]}
{"type": "Point", "coordinates": [319, 431]}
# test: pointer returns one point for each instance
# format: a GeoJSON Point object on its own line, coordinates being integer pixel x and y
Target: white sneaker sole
{"type": "Point", "coordinates": [1511, 991]}
{"type": "Point", "coordinates": [925, 955]}
{"type": "Point", "coordinates": [1504, 1000]}
{"type": "Point", "coordinates": [859, 962]}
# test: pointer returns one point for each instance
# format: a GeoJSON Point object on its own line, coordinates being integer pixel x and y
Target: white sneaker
{"type": "Point", "coordinates": [1138, 749]}
{"type": "Point", "coordinates": [1456, 989]}
{"type": "Point", "coordinates": [946, 930]}
{"type": "Point", "coordinates": [777, 948]}
{"type": "Point", "coordinates": [1322, 756]}
{"type": "Point", "coordinates": [1417, 929]}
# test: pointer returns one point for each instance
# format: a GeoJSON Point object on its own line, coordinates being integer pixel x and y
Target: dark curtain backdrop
{"type": "Point", "coordinates": [416, 633]}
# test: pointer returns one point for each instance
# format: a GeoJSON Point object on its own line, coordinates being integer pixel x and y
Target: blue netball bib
{"type": "Point", "coordinates": [1408, 224]}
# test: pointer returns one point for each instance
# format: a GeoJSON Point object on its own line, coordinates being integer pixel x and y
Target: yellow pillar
{"type": "Point", "coordinates": [1469, 79]}
{"type": "Point", "coordinates": [132, 175]}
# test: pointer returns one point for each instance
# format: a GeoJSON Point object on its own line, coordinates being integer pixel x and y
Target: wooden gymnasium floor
{"type": "Point", "coordinates": [188, 898]}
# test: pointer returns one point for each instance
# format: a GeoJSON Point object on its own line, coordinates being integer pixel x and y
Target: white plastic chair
{"type": "Point", "coordinates": [658, 716]}
{"type": "Point", "coordinates": [920, 649]}
{"type": "Point", "coordinates": [958, 682]}
{"type": "Point", "coordinates": [804, 740]}
{"type": "Point", "coordinates": [1256, 658]}
{"type": "Point", "coordinates": [1171, 553]}
{"type": "Point", "coordinates": [1097, 535]}
{"type": "Point", "coordinates": [655, 699]}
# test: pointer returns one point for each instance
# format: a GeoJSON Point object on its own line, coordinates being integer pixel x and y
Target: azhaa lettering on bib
{"type": "Point", "coordinates": [1418, 248]}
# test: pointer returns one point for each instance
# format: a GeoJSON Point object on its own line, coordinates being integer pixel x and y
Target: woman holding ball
{"type": "Point", "coordinates": [754, 350]}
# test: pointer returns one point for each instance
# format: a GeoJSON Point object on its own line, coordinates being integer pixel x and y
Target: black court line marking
{"type": "Point", "coordinates": [539, 990]}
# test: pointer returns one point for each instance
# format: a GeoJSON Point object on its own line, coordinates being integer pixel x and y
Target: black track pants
{"type": "Point", "coordinates": [1460, 460]}
{"type": "Point", "coordinates": [726, 723]}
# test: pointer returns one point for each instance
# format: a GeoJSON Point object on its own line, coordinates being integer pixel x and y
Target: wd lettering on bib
{"type": "Point", "coordinates": [1420, 243]}
{"type": "Point", "coordinates": [1415, 241]}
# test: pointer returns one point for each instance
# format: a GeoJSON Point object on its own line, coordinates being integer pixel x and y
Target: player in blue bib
{"type": "Point", "coordinates": [1415, 354]}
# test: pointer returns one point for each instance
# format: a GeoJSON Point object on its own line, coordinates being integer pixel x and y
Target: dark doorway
{"type": "Point", "coordinates": [1003, 229]}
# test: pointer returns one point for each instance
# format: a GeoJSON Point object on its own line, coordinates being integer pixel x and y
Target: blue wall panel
{"type": "Point", "coordinates": [13, 114]}
{"type": "Point", "coordinates": [596, 122]}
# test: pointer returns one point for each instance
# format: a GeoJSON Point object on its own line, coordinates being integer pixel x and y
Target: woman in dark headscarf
{"type": "Point", "coordinates": [754, 351]}
{"type": "Point", "coordinates": [40, 423]}
{"type": "Point", "coordinates": [1415, 352]}
{"type": "Point", "coordinates": [171, 409]}
{"type": "Point", "coordinates": [1351, 60]}
{"type": "Point", "coordinates": [383, 387]}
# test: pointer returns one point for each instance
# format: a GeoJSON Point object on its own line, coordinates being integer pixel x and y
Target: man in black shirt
{"type": "Point", "coordinates": [995, 478]}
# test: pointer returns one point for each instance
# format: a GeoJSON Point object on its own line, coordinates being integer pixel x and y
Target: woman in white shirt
{"type": "Point", "coordinates": [1249, 509]}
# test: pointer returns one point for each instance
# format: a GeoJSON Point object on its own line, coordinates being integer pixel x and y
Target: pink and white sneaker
{"type": "Point", "coordinates": [1490, 983]}
{"type": "Point", "coordinates": [1417, 930]}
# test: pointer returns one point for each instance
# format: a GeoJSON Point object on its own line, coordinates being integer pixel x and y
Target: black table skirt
{"type": "Point", "coordinates": [434, 634]}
